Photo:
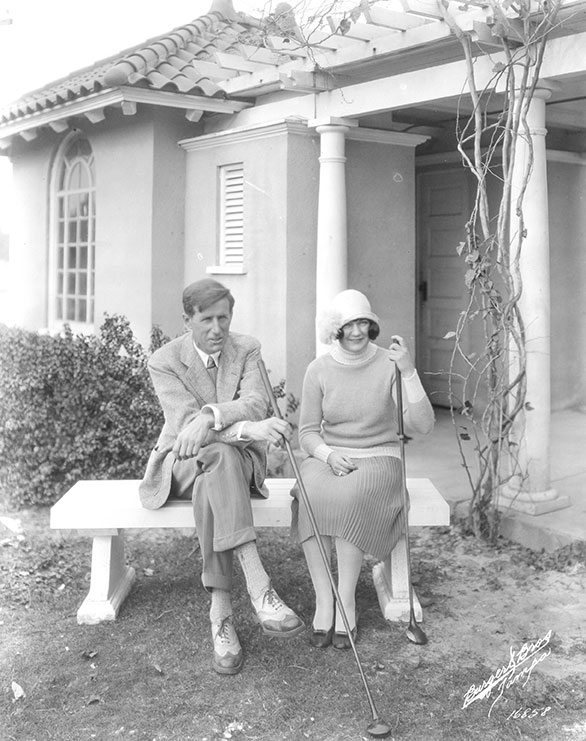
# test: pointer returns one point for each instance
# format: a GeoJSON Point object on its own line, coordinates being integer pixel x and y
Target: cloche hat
{"type": "Point", "coordinates": [346, 307]}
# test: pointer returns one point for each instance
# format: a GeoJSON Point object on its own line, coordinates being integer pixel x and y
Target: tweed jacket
{"type": "Point", "coordinates": [184, 386]}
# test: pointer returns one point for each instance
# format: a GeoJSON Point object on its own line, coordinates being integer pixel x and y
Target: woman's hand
{"type": "Point", "coordinates": [340, 464]}
{"type": "Point", "coordinates": [400, 355]}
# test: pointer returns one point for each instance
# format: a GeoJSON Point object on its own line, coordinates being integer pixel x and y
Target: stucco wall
{"type": "Point", "coordinates": [260, 292]}
{"type": "Point", "coordinates": [567, 234]}
{"type": "Point", "coordinates": [140, 174]}
{"type": "Point", "coordinates": [140, 185]}
{"type": "Point", "coordinates": [381, 233]}
{"type": "Point", "coordinates": [28, 239]}
{"type": "Point", "coordinates": [567, 224]}
{"type": "Point", "coordinates": [302, 197]}
{"type": "Point", "coordinates": [124, 185]}
{"type": "Point", "coordinates": [276, 296]}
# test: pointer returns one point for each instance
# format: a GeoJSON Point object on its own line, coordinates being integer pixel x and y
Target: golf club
{"type": "Point", "coordinates": [378, 727]}
{"type": "Point", "coordinates": [414, 632]}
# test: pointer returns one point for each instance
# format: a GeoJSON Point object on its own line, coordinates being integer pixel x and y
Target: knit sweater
{"type": "Point", "coordinates": [349, 402]}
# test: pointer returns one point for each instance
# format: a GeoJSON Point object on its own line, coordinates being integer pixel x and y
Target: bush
{"type": "Point", "coordinates": [73, 407]}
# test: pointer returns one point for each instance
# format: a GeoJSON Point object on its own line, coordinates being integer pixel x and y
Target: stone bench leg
{"type": "Point", "coordinates": [111, 578]}
{"type": "Point", "coordinates": [390, 581]}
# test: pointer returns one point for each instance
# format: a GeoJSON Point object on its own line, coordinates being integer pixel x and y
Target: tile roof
{"type": "Point", "coordinates": [222, 60]}
{"type": "Point", "coordinates": [182, 61]}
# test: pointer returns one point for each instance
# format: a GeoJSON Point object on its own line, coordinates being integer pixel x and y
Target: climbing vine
{"type": "Point", "coordinates": [486, 379]}
{"type": "Point", "coordinates": [487, 382]}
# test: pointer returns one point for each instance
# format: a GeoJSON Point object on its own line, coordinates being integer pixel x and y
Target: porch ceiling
{"type": "Point", "coordinates": [227, 61]}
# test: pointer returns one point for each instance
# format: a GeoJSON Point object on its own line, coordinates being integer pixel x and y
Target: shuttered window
{"type": "Point", "coordinates": [231, 215]}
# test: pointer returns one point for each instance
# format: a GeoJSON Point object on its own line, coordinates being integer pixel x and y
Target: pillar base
{"type": "Point", "coordinates": [532, 503]}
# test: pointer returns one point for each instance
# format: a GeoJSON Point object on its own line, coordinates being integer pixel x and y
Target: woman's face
{"type": "Point", "coordinates": [355, 335]}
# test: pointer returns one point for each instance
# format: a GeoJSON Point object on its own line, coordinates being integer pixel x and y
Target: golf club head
{"type": "Point", "coordinates": [379, 729]}
{"type": "Point", "coordinates": [415, 634]}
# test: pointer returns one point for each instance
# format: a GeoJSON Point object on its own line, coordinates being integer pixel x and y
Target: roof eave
{"type": "Point", "coordinates": [127, 98]}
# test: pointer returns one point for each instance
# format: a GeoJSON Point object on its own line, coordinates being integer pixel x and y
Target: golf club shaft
{"type": "Point", "coordinates": [310, 514]}
{"type": "Point", "coordinates": [399, 388]}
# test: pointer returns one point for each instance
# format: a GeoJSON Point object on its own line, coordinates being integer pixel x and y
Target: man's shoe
{"type": "Point", "coordinates": [275, 618]}
{"type": "Point", "coordinates": [228, 657]}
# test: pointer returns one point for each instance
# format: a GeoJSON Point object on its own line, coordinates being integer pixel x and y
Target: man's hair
{"type": "Point", "coordinates": [200, 295]}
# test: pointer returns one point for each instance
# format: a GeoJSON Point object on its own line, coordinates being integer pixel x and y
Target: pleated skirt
{"type": "Point", "coordinates": [365, 507]}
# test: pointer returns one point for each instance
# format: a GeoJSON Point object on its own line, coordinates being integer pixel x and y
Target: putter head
{"type": "Point", "coordinates": [415, 634]}
{"type": "Point", "coordinates": [379, 729]}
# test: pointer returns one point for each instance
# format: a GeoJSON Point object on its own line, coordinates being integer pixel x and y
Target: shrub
{"type": "Point", "coordinates": [73, 407]}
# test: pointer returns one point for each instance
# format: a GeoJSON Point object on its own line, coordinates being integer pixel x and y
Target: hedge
{"type": "Point", "coordinates": [72, 407]}
{"type": "Point", "coordinates": [75, 406]}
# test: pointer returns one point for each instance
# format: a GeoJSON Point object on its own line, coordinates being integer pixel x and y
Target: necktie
{"type": "Point", "coordinates": [212, 368]}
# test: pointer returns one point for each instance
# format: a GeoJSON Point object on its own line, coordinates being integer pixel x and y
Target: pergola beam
{"type": "Point", "coordinates": [563, 57]}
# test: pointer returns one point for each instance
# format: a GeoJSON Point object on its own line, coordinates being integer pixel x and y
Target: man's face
{"type": "Point", "coordinates": [210, 328]}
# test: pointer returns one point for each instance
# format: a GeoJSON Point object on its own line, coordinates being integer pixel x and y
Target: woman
{"type": "Point", "coordinates": [348, 426]}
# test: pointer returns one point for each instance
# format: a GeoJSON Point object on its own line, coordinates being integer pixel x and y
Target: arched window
{"type": "Point", "coordinates": [73, 248]}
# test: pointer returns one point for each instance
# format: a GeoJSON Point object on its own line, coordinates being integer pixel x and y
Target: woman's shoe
{"type": "Point", "coordinates": [321, 638]}
{"type": "Point", "coordinates": [341, 640]}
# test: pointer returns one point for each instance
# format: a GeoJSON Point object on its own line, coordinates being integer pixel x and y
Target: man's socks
{"type": "Point", "coordinates": [257, 579]}
{"type": "Point", "coordinates": [221, 606]}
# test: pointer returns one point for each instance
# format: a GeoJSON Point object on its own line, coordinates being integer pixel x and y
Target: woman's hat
{"type": "Point", "coordinates": [346, 307]}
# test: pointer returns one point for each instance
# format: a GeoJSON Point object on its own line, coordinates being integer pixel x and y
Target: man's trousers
{"type": "Point", "coordinates": [218, 481]}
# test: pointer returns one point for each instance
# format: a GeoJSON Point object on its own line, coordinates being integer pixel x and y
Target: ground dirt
{"type": "Point", "coordinates": [492, 614]}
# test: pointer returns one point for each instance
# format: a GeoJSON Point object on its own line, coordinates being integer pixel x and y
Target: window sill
{"type": "Point", "coordinates": [226, 270]}
{"type": "Point", "coordinates": [57, 326]}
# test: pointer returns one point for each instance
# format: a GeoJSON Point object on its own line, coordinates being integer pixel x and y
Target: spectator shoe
{"type": "Point", "coordinates": [228, 657]}
{"type": "Point", "coordinates": [276, 619]}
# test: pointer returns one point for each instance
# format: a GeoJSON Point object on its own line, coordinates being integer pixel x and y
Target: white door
{"type": "Point", "coordinates": [443, 207]}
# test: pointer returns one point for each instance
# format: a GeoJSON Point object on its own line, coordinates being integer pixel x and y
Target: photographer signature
{"type": "Point", "coordinates": [518, 670]}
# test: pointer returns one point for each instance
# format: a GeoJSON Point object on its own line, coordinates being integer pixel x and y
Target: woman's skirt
{"type": "Point", "coordinates": [364, 507]}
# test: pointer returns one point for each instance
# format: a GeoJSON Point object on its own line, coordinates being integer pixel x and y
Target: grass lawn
{"type": "Point", "coordinates": [147, 676]}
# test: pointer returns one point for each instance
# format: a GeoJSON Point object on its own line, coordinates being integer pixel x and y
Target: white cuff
{"type": "Point", "coordinates": [239, 431]}
{"type": "Point", "coordinates": [218, 425]}
{"type": "Point", "coordinates": [413, 388]}
{"type": "Point", "coordinates": [322, 452]}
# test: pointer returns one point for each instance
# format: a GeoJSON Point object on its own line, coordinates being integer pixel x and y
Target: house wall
{"type": "Point", "coordinates": [168, 237]}
{"type": "Point", "coordinates": [275, 299]}
{"type": "Point", "coordinates": [28, 240]}
{"type": "Point", "coordinates": [302, 197]}
{"type": "Point", "coordinates": [124, 220]}
{"type": "Point", "coordinates": [381, 242]}
{"type": "Point", "coordinates": [140, 178]}
{"type": "Point", "coordinates": [381, 233]}
{"type": "Point", "coordinates": [140, 184]}
{"type": "Point", "coordinates": [567, 224]}
{"type": "Point", "coordinates": [260, 292]}
{"type": "Point", "coordinates": [567, 235]}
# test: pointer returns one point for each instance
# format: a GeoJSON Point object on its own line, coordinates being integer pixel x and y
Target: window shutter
{"type": "Point", "coordinates": [232, 215]}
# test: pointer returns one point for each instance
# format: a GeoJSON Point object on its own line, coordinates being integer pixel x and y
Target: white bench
{"type": "Point", "coordinates": [104, 509]}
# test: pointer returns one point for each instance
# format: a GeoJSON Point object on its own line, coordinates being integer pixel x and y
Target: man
{"type": "Point", "coordinates": [212, 449]}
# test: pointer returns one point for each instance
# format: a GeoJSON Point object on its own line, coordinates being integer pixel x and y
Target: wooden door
{"type": "Point", "coordinates": [443, 207]}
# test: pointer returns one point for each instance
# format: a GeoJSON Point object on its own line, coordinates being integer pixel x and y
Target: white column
{"type": "Point", "coordinates": [532, 492]}
{"type": "Point", "coordinates": [332, 231]}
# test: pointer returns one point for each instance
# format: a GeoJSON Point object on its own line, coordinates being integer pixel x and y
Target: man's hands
{"type": "Point", "coordinates": [193, 436]}
{"type": "Point", "coordinates": [272, 430]}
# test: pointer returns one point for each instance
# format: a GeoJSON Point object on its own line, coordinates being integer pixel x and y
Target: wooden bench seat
{"type": "Point", "coordinates": [103, 509]}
